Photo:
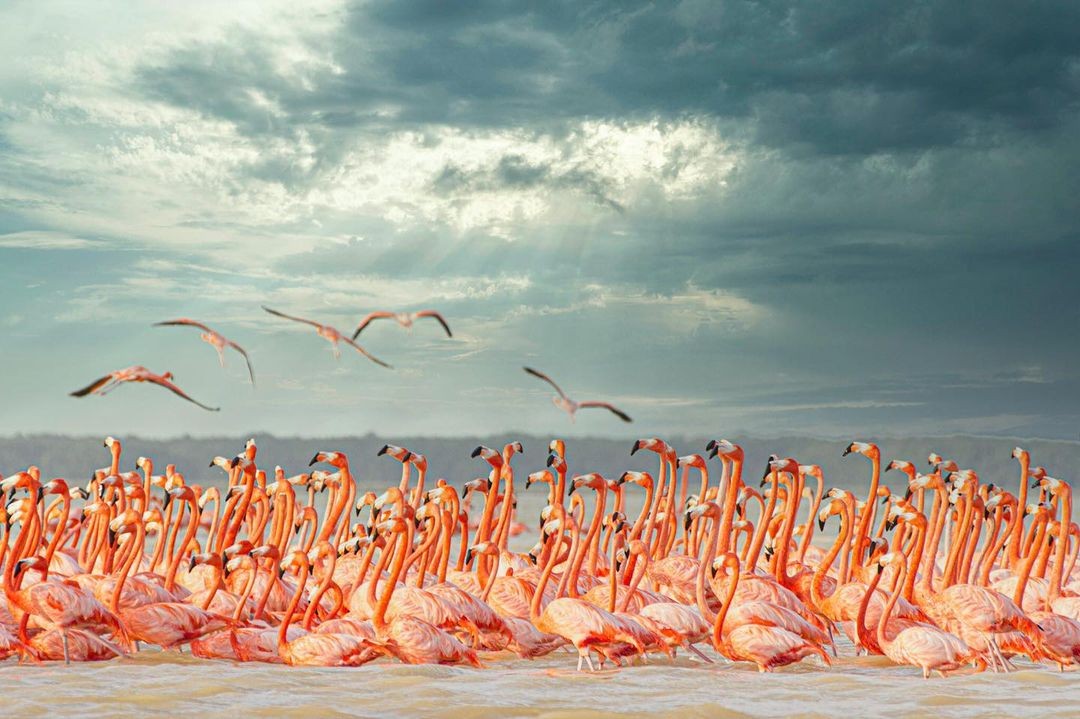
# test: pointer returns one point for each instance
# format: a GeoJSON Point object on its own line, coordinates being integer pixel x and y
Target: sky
{"type": "Point", "coordinates": [840, 218]}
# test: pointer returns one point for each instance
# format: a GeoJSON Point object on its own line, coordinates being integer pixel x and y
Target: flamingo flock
{"type": "Point", "coordinates": [137, 373]}
{"type": "Point", "coordinates": [953, 576]}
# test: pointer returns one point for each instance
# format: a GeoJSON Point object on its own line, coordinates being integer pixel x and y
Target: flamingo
{"type": "Point", "coordinates": [136, 373]}
{"type": "Point", "coordinates": [331, 335]}
{"type": "Point", "coordinates": [321, 649]}
{"type": "Point", "coordinates": [411, 639]}
{"type": "Point", "coordinates": [405, 319]}
{"type": "Point", "coordinates": [215, 339]}
{"type": "Point", "coordinates": [921, 645]}
{"type": "Point", "coordinates": [580, 623]}
{"type": "Point", "coordinates": [764, 645]}
{"type": "Point", "coordinates": [570, 406]}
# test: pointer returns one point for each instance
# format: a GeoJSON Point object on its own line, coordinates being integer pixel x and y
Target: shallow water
{"type": "Point", "coordinates": [156, 682]}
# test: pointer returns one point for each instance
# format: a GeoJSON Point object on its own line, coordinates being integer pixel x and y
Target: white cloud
{"type": "Point", "coordinates": [41, 240]}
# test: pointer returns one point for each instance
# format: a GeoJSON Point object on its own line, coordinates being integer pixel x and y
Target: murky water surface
{"type": "Point", "coordinates": [153, 682]}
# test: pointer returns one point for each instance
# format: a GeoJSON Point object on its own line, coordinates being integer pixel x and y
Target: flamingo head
{"type": "Point", "coordinates": [724, 449]}
{"type": "Point", "coordinates": [866, 449]}
{"type": "Point", "coordinates": [653, 444]}
{"type": "Point", "coordinates": [56, 486]}
{"type": "Point", "coordinates": [692, 460]}
{"type": "Point", "coordinates": [556, 462]}
{"type": "Point", "coordinates": [543, 475]}
{"type": "Point", "coordinates": [488, 455]}
{"type": "Point", "coordinates": [399, 453]}
{"type": "Point", "coordinates": [641, 478]}
{"type": "Point", "coordinates": [593, 480]}
{"type": "Point", "coordinates": [480, 484]}
{"type": "Point", "coordinates": [488, 549]}
{"type": "Point", "coordinates": [335, 459]}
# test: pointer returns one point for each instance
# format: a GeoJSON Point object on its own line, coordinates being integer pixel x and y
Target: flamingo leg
{"type": "Point", "coordinates": [64, 640]}
{"type": "Point", "coordinates": [697, 651]}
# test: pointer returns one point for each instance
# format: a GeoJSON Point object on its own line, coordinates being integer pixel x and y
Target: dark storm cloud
{"type": "Point", "coordinates": [839, 78]}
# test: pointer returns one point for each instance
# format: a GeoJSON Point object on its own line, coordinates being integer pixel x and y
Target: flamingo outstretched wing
{"type": "Point", "coordinates": [438, 317]}
{"type": "Point", "coordinates": [251, 370]}
{"type": "Point", "coordinates": [291, 317]}
{"type": "Point", "coordinates": [367, 320]}
{"type": "Point", "coordinates": [184, 322]}
{"type": "Point", "coordinates": [92, 387]}
{"type": "Point", "coordinates": [364, 352]}
{"type": "Point", "coordinates": [610, 407]}
{"type": "Point", "coordinates": [179, 392]}
{"type": "Point", "coordinates": [541, 375]}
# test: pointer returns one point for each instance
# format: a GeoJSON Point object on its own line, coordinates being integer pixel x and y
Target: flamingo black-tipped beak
{"type": "Point", "coordinates": [635, 448]}
{"type": "Point", "coordinates": [890, 524]}
{"type": "Point", "coordinates": [1035, 484]}
{"type": "Point", "coordinates": [908, 493]}
{"type": "Point", "coordinates": [191, 564]}
{"type": "Point", "coordinates": [768, 552]}
{"type": "Point", "coordinates": [687, 521]}
{"type": "Point", "coordinates": [225, 567]}
{"type": "Point", "coordinates": [382, 451]}
{"type": "Point", "coordinates": [846, 452]}
{"type": "Point", "coordinates": [713, 451]}
{"type": "Point", "coordinates": [878, 570]}
{"type": "Point", "coordinates": [210, 465]}
{"type": "Point", "coordinates": [464, 491]}
{"type": "Point", "coordinates": [573, 487]}
{"type": "Point", "coordinates": [528, 482]}
{"type": "Point", "coordinates": [476, 452]}
{"type": "Point", "coordinates": [314, 460]}
{"type": "Point", "coordinates": [821, 524]}
{"type": "Point", "coordinates": [167, 501]}
{"type": "Point", "coordinates": [532, 557]}
{"type": "Point", "coordinates": [711, 445]}
{"type": "Point", "coordinates": [235, 461]}
{"type": "Point", "coordinates": [407, 457]}
{"type": "Point", "coordinates": [621, 480]}
{"type": "Point", "coordinates": [885, 500]}
{"type": "Point", "coordinates": [551, 459]}
{"type": "Point", "coordinates": [712, 571]}
{"type": "Point", "coordinates": [468, 557]}
{"type": "Point", "coordinates": [112, 536]}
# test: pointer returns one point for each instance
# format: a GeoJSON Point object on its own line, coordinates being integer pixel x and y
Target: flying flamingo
{"type": "Point", "coordinates": [214, 339]}
{"type": "Point", "coordinates": [405, 319]}
{"type": "Point", "coordinates": [570, 406]}
{"type": "Point", "coordinates": [135, 373]}
{"type": "Point", "coordinates": [330, 334]}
